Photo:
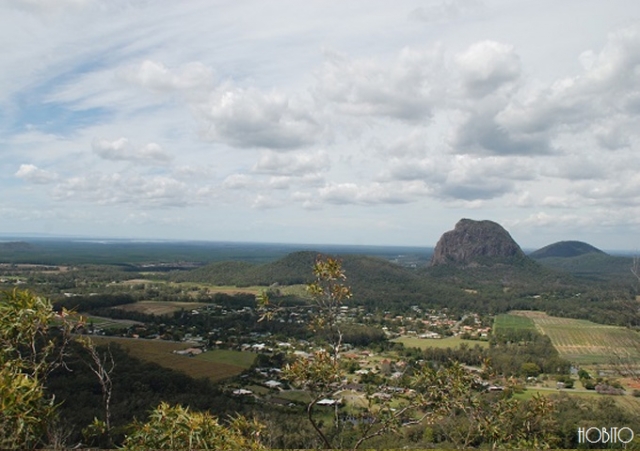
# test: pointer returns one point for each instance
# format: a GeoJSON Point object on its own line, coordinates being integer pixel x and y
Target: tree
{"type": "Point", "coordinates": [102, 367]}
{"type": "Point", "coordinates": [176, 427]}
{"type": "Point", "coordinates": [29, 351]}
{"type": "Point", "coordinates": [530, 369]}
{"type": "Point", "coordinates": [323, 375]}
{"type": "Point", "coordinates": [467, 415]}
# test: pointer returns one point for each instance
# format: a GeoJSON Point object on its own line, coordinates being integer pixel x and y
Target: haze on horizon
{"type": "Point", "coordinates": [363, 122]}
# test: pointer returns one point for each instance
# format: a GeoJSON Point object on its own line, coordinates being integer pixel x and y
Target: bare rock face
{"type": "Point", "coordinates": [475, 242]}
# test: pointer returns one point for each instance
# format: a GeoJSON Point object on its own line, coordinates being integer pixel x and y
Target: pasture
{"type": "Point", "coordinates": [225, 289]}
{"type": "Point", "coordinates": [584, 342]}
{"type": "Point", "coordinates": [229, 357]}
{"type": "Point", "coordinates": [449, 342]}
{"type": "Point", "coordinates": [108, 323]}
{"type": "Point", "coordinates": [511, 322]}
{"type": "Point", "coordinates": [159, 307]}
{"type": "Point", "coordinates": [161, 352]}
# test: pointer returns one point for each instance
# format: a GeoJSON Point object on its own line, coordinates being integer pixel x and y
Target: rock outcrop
{"type": "Point", "coordinates": [474, 243]}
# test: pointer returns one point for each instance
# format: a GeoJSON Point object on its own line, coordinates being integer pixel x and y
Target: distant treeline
{"type": "Point", "coordinates": [508, 354]}
{"type": "Point", "coordinates": [381, 285]}
{"type": "Point", "coordinates": [92, 303]}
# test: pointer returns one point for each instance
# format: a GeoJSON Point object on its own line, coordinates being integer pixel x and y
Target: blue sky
{"type": "Point", "coordinates": [361, 122]}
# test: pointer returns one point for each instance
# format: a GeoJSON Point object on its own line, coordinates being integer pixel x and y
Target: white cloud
{"type": "Point", "coordinates": [558, 202]}
{"type": "Point", "coordinates": [237, 181]}
{"type": "Point", "coordinates": [120, 149]}
{"type": "Point", "coordinates": [407, 88]}
{"type": "Point", "coordinates": [48, 6]}
{"type": "Point", "coordinates": [371, 194]}
{"type": "Point", "coordinates": [463, 177]}
{"type": "Point", "coordinates": [156, 76]}
{"type": "Point", "coordinates": [446, 10]}
{"type": "Point", "coordinates": [421, 110]}
{"type": "Point", "coordinates": [33, 174]}
{"type": "Point", "coordinates": [280, 182]}
{"type": "Point", "coordinates": [297, 164]}
{"type": "Point", "coordinates": [115, 188]}
{"type": "Point", "coordinates": [607, 87]}
{"type": "Point", "coordinates": [487, 66]}
{"type": "Point", "coordinates": [252, 118]}
{"type": "Point", "coordinates": [262, 202]}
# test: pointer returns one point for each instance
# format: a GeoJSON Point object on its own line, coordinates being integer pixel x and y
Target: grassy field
{"type": "Point", "coordinates": [226, 289]}
{"type": "Point", "coordinates": [211, 288]}
{"type": "Point", "coordinates": [626, 402]}
{"type": "Point", "coordinates": [159, 307]}
{"type": "Point", "coordinates": [161, 352]}
{"type": "Point", "coordinates": [449, 342]}
{"type": "Point", "coordinates": [506, 322]}
{"type": "Point", "coordinates": [108, 323]}
{"type": "Point", "coordinates": [228, 357]}
{"type": "Point", "coordinates": [584, 342]}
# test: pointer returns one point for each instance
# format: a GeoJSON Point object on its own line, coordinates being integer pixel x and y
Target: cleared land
{"type": "Point", "coordinates": [161, 352]}
{"type": "Point", "coordinates": [108, 323]}
{"type": "Point", "coordinates": [159, 307]}
{"type": "Point", "coordinates": [226, 289]}
{"type": "Point", "coordinates": [584, 342]}
{"type": "Point", "coordinates": [511, 322]}
{"type": "Point", "coordinates": [211, 289]}
{"type": "Point", "coordinates": [449, 342]}
{"type": "Point", "coordinates": [229, 357]}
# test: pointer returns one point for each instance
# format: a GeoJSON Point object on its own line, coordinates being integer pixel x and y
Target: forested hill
{"type": "Point", "coordinates": [292, 269]}
{"type": "Point", "coordinates": [382, 285]}
{"type": "Point", "coordinates": [586, 261]}
{"type": "Point", "coordinates": [296, 268]}
{"type": "Point", "coordinates": [565, 249]}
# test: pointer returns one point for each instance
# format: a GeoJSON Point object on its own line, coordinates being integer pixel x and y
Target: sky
{"type": "Point", "coordinates": [361, 122]}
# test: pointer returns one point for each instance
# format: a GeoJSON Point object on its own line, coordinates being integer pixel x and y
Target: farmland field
{"type": "Point", "coordinates": [161, 352]}
{"type": "Point", "coordinates": [159, 307]}
{"type": "Point", "coordinates": [584, 342]}
{"type": "Point", "coordinates": [226, 289]}
{"type": "Point", "coordinates": [507, 321]}
{"type": "Point", "coordinates": [108, 323]}
{"type": "Point", "coordinates": [229, 357]}
{"type": "Point", "coordinates": [449, 342]}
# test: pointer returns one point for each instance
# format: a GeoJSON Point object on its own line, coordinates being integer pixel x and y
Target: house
{"type": "Point", "coordinates": [189, 351]}
{"type": "Point", "coordinates": [242, 392]}
{"type": "Point", "coordinates": [328, 402]}
{"type": "Point", "coordinates": [273, 384]}
{"type": "Point", "coordinates": [430, 335]}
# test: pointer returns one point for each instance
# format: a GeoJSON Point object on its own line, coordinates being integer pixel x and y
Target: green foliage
{"type": "Point", "coordinates": [466, 415]}
{"type": "Point", "coordinates": [24, 408]}
{"type": "Point", "coordinates": [572, 412]}
{"type": "Point", "coordinates": [93, 303]}
{"type": "Point", "coordinates": [138, 387]}
{"type": "Point", "coordinates": [176, 427]}
{"type": "Point", "coordinates": [583, 374]}
{"type": "Point", "coordinates": [26, 357]}
{"type": "Point", "coordinates": [513, 350]}
{"type": "Point", "coordinates": [530, 369]}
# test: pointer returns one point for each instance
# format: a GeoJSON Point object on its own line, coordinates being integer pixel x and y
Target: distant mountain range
{"type": "Point", "coordinates": [565, 249]}
{"type": "Point", "coordinates": [478, 252]}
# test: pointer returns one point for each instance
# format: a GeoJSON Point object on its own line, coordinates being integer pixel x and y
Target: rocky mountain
{"type": "Point", "coordinates": [473, 243]}
{"type": "Point", "coordinates": [565, 249]}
